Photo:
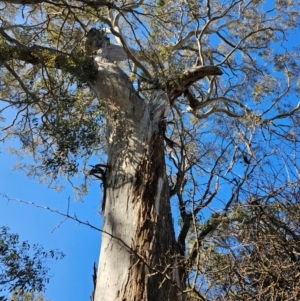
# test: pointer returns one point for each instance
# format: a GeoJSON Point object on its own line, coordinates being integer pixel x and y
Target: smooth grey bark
{"type": "Point", "coordinates": [138, 243]}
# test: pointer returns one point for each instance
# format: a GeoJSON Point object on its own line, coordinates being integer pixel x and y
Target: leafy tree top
{"type": "Point", "coordinates": [46, 72]}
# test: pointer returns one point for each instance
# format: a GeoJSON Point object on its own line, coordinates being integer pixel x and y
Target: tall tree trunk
{"type": "Point", "coordinates": [138, 241]}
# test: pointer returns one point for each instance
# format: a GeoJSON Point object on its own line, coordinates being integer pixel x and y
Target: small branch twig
{"type": "Point", "coordinates": [66, 215]}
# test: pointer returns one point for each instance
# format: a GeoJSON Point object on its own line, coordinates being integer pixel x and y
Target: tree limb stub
{"type": "Point", "coordinates": [188, 77]}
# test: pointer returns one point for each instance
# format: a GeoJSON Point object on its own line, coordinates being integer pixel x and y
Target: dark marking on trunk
{"type": "Point", "coordinates": [155, 238]}
{"type": "Point", "coordinates": [99, 171]}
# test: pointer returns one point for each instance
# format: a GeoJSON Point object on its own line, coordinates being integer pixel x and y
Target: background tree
{"type": "Point", "coordinates": [22, 269]}
{"type": "Point", "coordinates": [197, 121]}
{"type": "Point", "coordinates": [29, 296]}
{"type": "Point", "coordinates": [253, 254]}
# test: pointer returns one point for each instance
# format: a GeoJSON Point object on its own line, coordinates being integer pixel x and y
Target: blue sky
{"type": "Point", "coordinates": [71, 277]}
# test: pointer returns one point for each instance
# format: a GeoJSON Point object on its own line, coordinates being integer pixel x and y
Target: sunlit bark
{"type": "Point", "coordinates": [137, 208]}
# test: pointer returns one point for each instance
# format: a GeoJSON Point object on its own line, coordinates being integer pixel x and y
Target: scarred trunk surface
{"type": "Point", "coordinates": [136, 258]}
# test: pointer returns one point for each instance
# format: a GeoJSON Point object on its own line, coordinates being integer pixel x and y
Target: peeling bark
{"type": "Point", "coordinates": [137, 196]}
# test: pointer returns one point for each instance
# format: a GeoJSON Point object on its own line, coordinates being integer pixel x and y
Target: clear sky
{"type": "Point", "coordinates": [71, 277]}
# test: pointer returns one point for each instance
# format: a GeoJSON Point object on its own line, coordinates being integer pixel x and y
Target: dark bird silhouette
{"type": "Point", "coordinates": [246, 160]}
{"type": "Point", "coordinates": [98, 171]}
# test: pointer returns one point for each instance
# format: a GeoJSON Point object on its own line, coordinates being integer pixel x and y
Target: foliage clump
{"type": "Point", "coordinates": [23, 268]}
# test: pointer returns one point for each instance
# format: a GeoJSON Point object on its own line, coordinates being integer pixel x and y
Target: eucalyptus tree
{"type": "Point", "coordinates": [188, 106]}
